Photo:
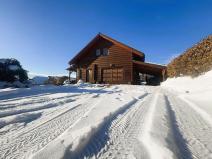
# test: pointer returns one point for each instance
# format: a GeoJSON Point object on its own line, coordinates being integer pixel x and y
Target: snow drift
{"type": "Point", "coordinates": [196, 92]}
{"type": "Point", "coordinates": [188, 84]}
{"type": "Point", "coordinates": [39, 80]}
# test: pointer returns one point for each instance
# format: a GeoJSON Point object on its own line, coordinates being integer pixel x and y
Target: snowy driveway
{"type": "Point", "coordinates": [120, 121]}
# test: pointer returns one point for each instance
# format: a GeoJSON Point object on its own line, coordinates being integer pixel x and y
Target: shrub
{"type": "Point", "coordinates": [11, 70]}
{"type": "Point", "coordinates": [194, 61]}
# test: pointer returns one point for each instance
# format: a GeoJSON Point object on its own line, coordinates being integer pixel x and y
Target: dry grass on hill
{"type": "Point", "coordinates": [194, 61]}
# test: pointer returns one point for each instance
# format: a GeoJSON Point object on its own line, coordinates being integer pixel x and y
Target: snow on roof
{"type": "Point", "coordinates": [155, 63]}
{"type": "Point", "coordinates": [13, 67]}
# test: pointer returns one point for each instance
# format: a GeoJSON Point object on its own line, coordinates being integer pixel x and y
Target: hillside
{"type": "Point", "coordinates": [194, 61]}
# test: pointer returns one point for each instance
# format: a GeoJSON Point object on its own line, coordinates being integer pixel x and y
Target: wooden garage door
{"type": "Point", "coordinates": [112, 75]}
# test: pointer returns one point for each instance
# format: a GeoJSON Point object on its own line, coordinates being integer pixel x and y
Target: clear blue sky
{"type": "Point", "coordinates": [45, 34]}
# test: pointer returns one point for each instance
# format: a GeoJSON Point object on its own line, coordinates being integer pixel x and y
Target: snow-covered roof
{"type": "Point", "coordinates": [156, 63]}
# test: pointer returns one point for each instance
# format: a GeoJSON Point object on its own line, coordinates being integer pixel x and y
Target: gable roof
{"type": "Point", "coordinates": [96, 38]}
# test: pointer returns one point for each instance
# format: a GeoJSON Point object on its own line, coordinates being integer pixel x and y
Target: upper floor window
{"type": "Point", "coordinates": [98, 52]}
{"type": "Point", "coordinates": [105, 52]}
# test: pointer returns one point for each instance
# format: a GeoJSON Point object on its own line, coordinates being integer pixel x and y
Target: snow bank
{"type": "Point", "coordinates": [39, 80]}
{"type": "Point", "coordinates": [196, 92]}
{"type": "Point", "coordinates": [81, 83]}
{"type": "Point", "coordinates": [188, 84]}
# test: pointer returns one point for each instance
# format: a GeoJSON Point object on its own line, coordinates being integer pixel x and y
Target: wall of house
{"type": "Point", "coordinates": [118, 57]}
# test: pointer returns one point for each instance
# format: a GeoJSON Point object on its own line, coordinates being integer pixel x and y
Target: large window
{"type": "Point", "coordinates": [98, 52]}
{"type": "Point", "coordinates": [105, 52]}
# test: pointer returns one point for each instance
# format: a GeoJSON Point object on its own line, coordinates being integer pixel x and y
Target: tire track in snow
{"type": "Point", "coordinates": [194, 129]}
{"type": "Point", "coordinates": [48, 107]}
{"type": "Point", "coordinates": [58, 107]}
{"type": "Point", "coordinates": [35, 139]}
{"type": "Point", "coordinates": [117, 136]}
{"type": "Point", "coordinates": [30, 107]}
{"type": "Point", "coordinates": [179, 147]}
{"type": "Point", "coordinates": [26, 102]}
{"type": "Point", "coordinates": [146, 138]}
{"type": "Point", "coordinates": [201, 112]}
{"type": "Point", "coordinates": [154, 141]}
{"type": "Point", "coordinates": [4, 98]}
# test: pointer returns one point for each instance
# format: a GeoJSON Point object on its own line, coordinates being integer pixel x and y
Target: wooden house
{"type": "Point", "coordinates": [105, 60]}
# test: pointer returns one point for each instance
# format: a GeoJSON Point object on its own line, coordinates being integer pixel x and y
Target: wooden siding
{"type": "Point", "coordinates": [118, 57]}
{"type": "Point", "coordinates": [121, 66]}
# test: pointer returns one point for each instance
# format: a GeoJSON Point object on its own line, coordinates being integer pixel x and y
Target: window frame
{"type": "Point", "coordinates": [99, 52]}
{"type": "Point", "coordinates": [103, 51]}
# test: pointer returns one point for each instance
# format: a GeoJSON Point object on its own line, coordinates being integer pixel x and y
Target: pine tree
{"type": "Point", "coordinates": [11, 70]}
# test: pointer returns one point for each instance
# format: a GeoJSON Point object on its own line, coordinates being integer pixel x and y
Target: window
{"type": "Point", "coordinates": [98, 52]}
{"type": "Point", "coordinates": [105, 51]}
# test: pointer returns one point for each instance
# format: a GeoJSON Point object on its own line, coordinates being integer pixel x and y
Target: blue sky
{"type": "Point", "coordinates": [45, 34]}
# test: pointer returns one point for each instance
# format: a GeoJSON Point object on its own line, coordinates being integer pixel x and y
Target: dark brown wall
{"type": "Point", "coordinates": [118, 57]}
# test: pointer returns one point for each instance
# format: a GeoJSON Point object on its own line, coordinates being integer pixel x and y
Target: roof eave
{"type": "Point", "coordinates": [150, 64]}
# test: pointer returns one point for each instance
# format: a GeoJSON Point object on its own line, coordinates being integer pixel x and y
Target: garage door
{"type": "Point", "coordinates": [112, 75]}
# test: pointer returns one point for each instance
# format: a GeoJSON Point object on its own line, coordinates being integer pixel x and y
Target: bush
{"type": "Point", "coordinates": [11, 70]}
{"type": "Point", "coordinates": [194, 61]}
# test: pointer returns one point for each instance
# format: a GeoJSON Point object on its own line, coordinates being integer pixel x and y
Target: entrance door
{"type": "Point", "coordinates": [89, 75]}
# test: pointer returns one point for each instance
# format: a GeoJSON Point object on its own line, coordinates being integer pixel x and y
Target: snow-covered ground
{"type": "Point", "coordinates": [97, 121]}
{"type": "Point", "coordinates": [195, 91]}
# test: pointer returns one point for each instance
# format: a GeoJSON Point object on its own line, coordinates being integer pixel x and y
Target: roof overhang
{"type": "Point", "coordinates": [71, 68]}
{"type": "Point", "coordinates": [95, 39]}
{"type": "Point", "coordinates": [149, 68]}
